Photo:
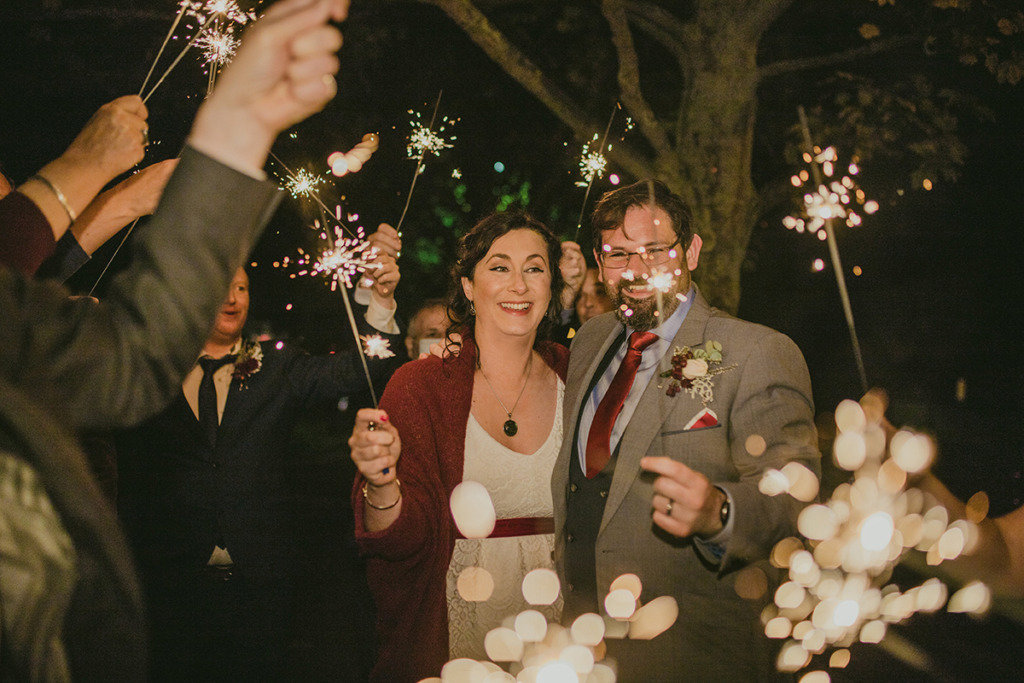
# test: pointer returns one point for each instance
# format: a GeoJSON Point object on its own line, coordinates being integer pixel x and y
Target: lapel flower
{"type": "Point", "coordinates": [692, 370]}
{"type": "Point", "coordinates": [248, 362]}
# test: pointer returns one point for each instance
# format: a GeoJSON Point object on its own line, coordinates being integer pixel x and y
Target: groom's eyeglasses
{"type": "Point", "coordinates": [653, 256]}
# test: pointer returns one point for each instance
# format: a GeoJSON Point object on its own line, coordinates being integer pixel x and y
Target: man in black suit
{"type": "Point", "coordinates": [203, 495]}
{"type": "Point", "coordinates": [64, 366]}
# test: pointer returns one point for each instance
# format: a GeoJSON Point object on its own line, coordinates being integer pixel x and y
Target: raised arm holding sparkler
{"type": "Point", "coordinates": [109, 144]}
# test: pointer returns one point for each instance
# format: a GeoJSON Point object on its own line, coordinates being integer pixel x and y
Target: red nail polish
{"type": "Point", "coordinates": [384, 418]}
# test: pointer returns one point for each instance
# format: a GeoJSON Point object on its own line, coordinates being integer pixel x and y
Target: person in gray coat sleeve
{"type": "Point", "coordinates": [673, 411]}
{"type": "Point", "coordinates": [70, 606]}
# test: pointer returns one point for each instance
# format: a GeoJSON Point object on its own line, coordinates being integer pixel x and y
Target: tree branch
{"type": "Point", "coordinates": [629, 76]}
{"type": "Point", "coordinates": [875, 47]}
{"type": "Point", "coordinates": [665, 35]}
{"type": "Point", "coordinates": [760, 14]}
{"type": "Point", "coordinates": [527, 74]}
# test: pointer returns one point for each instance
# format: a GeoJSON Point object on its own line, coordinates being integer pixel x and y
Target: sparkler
{"type": "Point", "coordinates": [341, 263]}
{"type": "Point", "coordinates": [424, 141]}
{"type": "Point", "coordinates": [218, 47]}
{"type": "Point", "coordinates": [217, 41]}
{"type": "Point", "coordinates": [831, 200]}
{"type": "Point", "coordinates": [592, 165]}
{"type": "Point", "coordinates": [177, 59]}
{"type": "Point", "coordinates": [170, 32]}
{"type": "Point", "coordinates": [826, 210]}
{"type": "Point", "coordinates": [302, 184]}
{"type": "Point", "coordinates": [113, 256]}
{"type": "Point", "coordinates": [838, 571]}
{"type": "Point", "coordinates": [228, 9]}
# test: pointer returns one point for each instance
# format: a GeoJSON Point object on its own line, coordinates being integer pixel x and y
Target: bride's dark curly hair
{"type": "Point", "coordinates": [475, 244]}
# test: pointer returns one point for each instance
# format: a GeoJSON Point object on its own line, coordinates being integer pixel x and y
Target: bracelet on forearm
{"type": "Point", "coordinates": [58, 194]}
{"type": "Point", "coordinates": [366, 497]}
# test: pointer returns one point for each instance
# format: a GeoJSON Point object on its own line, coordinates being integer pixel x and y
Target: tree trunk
{"type": "Point", "coordinates": [713, 150]}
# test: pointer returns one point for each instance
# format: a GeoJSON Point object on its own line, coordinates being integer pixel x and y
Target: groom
{"type": "Point", "coordinates": [658, 476]}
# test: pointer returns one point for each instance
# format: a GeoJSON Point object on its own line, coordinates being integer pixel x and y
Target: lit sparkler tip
{"type": "Point", "coordinates": [302, 183]}
{"type": "Point", "coordinates": [376, 346]}
{"type": "Point", "coordinates": [592, 164]}
{"type": "Point", "coordinates": [218, 47]}
{"type": "Point", "coordinates": [423, 140]}
{"type": "Point", "coordinates": [203, 11]}
{"type": "Point", "coordinates": [661, 281]}
{"type": "Point", "coordinates": [835, 199]}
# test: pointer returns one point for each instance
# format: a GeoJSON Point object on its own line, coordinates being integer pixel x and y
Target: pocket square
{"type": "Point", "coordinates": [703, 419]}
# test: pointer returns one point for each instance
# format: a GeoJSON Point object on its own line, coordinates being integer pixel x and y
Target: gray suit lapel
{"type": "Point", "coordinates": [652, 411]}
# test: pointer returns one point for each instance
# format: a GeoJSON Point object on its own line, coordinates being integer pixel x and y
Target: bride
{"type": "Point", "coordinates": [491, 414]}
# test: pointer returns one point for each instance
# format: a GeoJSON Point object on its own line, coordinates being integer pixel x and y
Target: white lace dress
{"type": "Point", "coordinates": [520, 486]}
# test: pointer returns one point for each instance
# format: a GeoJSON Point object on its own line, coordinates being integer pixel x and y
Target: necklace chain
{"type": "Point", "coordinates": [529, 364]}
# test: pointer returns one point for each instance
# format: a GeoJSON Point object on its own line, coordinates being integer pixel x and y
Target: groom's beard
{"type": "Point", "coordinates": [643, 317]}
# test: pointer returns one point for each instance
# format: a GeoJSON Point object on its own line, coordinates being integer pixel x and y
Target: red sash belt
{"type": "Point", "coordinates": [519, 526]}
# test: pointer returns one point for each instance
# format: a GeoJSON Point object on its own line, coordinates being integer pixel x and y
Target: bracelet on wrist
{"type": "Point", "coordinates": [58, 194]}
{"type": "Point", "coordinates": [366, 497]}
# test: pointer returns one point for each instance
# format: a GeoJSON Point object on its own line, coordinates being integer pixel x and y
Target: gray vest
{"type": "Point", "coordinates": [584, 507]}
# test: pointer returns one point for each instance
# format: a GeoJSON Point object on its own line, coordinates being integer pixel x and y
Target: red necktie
{"type": "Point", "coordinates": [599, 437]}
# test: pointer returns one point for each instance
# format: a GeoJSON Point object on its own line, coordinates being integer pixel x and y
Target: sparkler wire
{"type": "Point", "coordinates": [112, 256]}
{"type": "Point", "coordinates": [177, 59]}
{"type": "Point", "coordinates": [833, 250]}
{"type": "Point", "coordinates": [419, 164]}
{"type": "Point", "coordinates": [174, 25]}
{"type": "Point", "coordinates": [359, 342]}
{"type": "Point", "coordinates": [600, 150]}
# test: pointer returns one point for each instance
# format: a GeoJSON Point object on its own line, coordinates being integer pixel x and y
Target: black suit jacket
{"type": "Point", "coordinates": [178, 498]}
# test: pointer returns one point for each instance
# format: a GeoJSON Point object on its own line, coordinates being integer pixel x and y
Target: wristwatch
{"type": "Point", "coordinates": [723, 512]}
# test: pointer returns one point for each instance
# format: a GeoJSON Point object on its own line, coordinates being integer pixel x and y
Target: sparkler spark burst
{"type": "Point", "coordinates": [424, 140]}
{"type": "Point", "coordinates": [662, 281]}
{"type": "Point", "coordinates": [228, 9]}
{"type": "Point", "coordinates": [376, 346]}
{"type": "Point", "coordinates": [833, 199]}
{"type": "Point", "coordinates": [302, 183]}
{"type": "Point", "coordinates": [218, 47]}
{"type": "Point", "coordinates": [592, 164]}
{"type": "Point", "coordinates": [341, 262]}
{"type": "Point", "coordinates": [837, 591]}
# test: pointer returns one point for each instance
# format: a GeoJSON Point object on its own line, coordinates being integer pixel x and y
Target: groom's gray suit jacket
{"type": "Point", "coordinates": [767, 393]}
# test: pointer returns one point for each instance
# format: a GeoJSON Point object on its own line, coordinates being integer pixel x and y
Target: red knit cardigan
{"type": "Point", "coordinates": [407, 564]}
{"type": "Point", "coordinates": [26, 238]}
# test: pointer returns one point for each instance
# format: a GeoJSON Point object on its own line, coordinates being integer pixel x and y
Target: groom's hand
{"type": "Point", "coordinates": [693, 504]}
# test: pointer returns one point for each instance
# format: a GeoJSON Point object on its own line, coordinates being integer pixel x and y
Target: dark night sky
{"type": "Point", "coordinates": [940, 295]}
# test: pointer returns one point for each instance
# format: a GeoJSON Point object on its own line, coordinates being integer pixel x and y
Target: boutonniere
{"type": "Point", "coordinates": [248, 362]}
{"type": "Point", "coordinates": [693, 368]}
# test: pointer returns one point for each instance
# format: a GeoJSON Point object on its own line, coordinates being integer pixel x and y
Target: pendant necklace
{"type": "Point", "coordinates": [510, 427]}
